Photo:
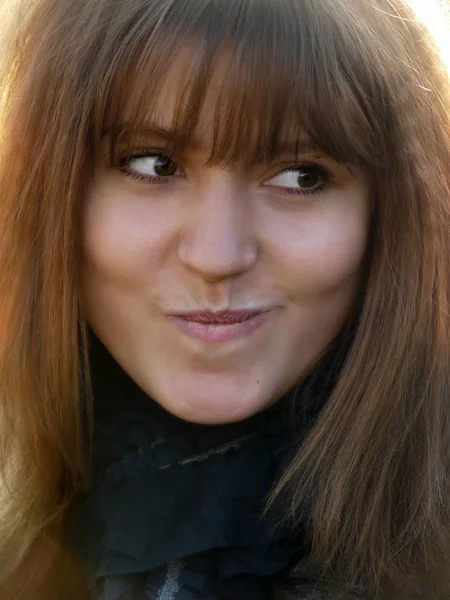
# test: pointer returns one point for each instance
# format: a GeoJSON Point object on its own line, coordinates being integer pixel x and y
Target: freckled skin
{"type": "Point", "coordinates": [219, 238]}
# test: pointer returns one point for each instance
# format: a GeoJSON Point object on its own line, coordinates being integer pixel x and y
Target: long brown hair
{"type": "Point", "coordinates": [366, 83]}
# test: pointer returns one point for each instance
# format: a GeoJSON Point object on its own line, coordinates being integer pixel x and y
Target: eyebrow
{"type": "Point", "coordinates": [126, 130]}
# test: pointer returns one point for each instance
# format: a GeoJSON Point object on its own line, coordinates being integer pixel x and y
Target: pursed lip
{"type": "Point", "coordinates": [220, 326]}
{"type": "Point", "coordinates": [223, 317]}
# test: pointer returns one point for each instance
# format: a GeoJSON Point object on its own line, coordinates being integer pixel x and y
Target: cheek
{"type": "Point", "coordinates": [335, 254]}
{"type": "Point", "coordinates": [322, 251]}
{"type": "Point", "coordinates": [123, 235]}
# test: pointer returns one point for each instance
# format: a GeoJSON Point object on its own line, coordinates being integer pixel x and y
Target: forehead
{"type": "Point", "coordinates": [243, 95]}
{"type": "Point", "coordinates": [178, 84]}
{"type": "Point", "coordinates": [228, 119]}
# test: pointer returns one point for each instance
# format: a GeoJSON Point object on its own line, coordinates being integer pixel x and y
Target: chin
{"type": "Point", "coordinates": [215, 407]}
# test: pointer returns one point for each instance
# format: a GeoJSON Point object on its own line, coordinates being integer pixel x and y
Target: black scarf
{"type": "Point", "coordinates": [174, 512]}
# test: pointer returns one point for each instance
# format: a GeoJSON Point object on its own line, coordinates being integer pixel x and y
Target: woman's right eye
{"type": "Point", "coordinates": [150, 167]}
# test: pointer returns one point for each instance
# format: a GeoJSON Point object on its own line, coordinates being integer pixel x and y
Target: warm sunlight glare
{"type": "Point", "coordinates": [436, 14]}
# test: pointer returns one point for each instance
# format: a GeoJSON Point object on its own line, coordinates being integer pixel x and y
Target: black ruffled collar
{"type": "Point", "coordinates": [174, 512]}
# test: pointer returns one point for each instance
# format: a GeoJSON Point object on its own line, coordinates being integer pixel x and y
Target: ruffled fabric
{"type": "Point", "coordinates": [174, 512]}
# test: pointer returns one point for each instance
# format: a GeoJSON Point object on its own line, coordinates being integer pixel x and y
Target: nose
{"type": "Point", "coordinates": [217, 240]}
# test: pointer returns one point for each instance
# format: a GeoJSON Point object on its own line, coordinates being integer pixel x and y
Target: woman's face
{"type": "Point", "coordinates": [216, 289]}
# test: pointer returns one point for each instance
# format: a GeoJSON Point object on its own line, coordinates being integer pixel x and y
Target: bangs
{"type": "Point", "coordinates": [288, 77]}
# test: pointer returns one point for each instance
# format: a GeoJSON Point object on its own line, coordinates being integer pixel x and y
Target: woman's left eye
{"type": "Point", "coordinates": [302, 180]}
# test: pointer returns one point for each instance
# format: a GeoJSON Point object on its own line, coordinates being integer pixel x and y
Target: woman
{"type": "Point", "coordinates": [225, 301]}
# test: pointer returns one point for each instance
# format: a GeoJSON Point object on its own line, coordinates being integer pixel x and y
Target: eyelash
{"type": "Point", "coordinates": [324, 173]}
{"type": "Point", "coordinates": [138, 176]}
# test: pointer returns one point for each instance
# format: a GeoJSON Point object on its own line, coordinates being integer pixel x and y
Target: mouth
{"type": "Point", "coordinates": [223, 326]}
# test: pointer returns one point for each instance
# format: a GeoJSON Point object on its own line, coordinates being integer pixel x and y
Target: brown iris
{"type": "Point", "coordinates": [164, 166]}
{"type": "Point", "coordinates": [308, 177]}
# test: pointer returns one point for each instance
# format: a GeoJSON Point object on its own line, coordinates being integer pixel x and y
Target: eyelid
{"type": "Point", "coordinates": [326, 177]}
{"type": "Point", "coordinates": [123, 165]}
{"type": "Point", "coordinates": [144, 152]}
{"type": "Point", "coordinates": [289, 161]}
{"type": "Point", "coordinates": [275, 171]}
